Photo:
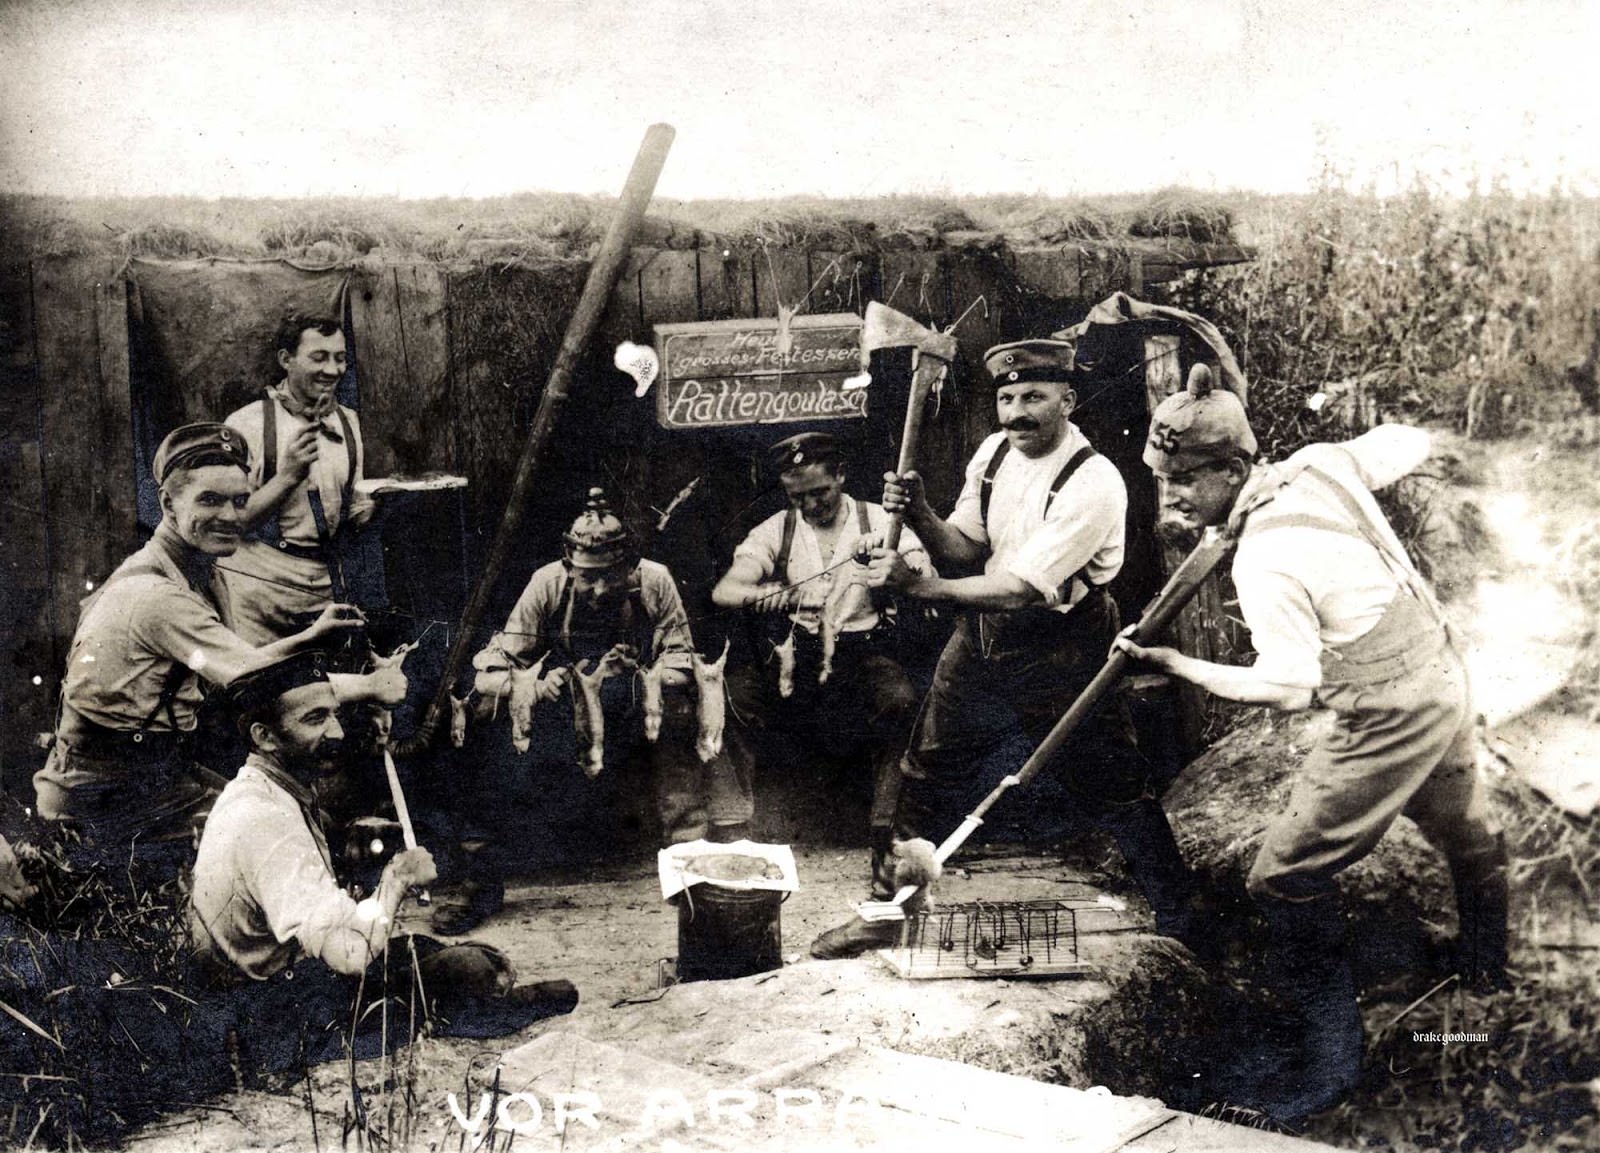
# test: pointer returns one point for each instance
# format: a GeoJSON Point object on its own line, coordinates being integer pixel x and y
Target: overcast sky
{"type": "Point", "coordinates": [837, 97]}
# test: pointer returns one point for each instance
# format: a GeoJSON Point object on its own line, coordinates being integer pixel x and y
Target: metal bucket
{"type": "Point", "coordinates": [727, 933]}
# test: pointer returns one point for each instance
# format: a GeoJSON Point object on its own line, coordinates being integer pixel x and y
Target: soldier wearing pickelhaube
{"type": "Point", "coordinates": [601, 596]}
{"type": "Point", "coordinates": [1338, 615]}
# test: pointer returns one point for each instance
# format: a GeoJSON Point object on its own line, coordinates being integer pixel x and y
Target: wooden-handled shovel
{"type": "Point", "coordinates": [1180, 588]}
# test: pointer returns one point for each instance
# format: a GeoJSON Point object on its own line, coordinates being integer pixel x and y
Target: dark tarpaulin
{"type": "Point", "coordinates": [202, 333]}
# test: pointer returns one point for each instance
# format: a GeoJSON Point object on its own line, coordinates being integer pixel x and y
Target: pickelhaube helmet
{"type": "Point", "coordinates": [598, 538]}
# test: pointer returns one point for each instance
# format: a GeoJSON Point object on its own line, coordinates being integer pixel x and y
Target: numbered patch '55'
{"type": "Point", "coordinates": [1163, 437]}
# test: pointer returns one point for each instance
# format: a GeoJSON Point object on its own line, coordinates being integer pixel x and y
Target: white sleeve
{"type": "Point", "coordinates": [1387, 453]}
{"type": "Point", "coordinates": [1088, 514]}
{"type": "Point", "coordinates": [1283, 623]}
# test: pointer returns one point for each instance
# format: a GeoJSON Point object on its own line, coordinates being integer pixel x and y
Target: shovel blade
{"type": "Point", "coordinates": [874, 911]}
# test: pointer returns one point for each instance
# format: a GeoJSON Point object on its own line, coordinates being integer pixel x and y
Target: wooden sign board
{"type": "Point", "coordinates": [724, 373]}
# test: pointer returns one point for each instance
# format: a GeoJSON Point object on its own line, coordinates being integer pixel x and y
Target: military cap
{"type": "Point", "coordinates": [1025, 360]}
{"type": "Point", "coordinates": [194, 445]}
{"type": "Point", "coordinates": [1197, 425]}
{"type": "Point", "coordinates": [260, 686]}
{"type": "Point", "coordinates": [802, 449]}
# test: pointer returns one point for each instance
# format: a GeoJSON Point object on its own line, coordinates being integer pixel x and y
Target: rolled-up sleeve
{"type": "Point", "coordinates": [1386, 453]}
{"type": "Point", "coordinates": [671, 641]}
{"type": "Point", "coordinates": [1085, 523]}
{"type": "Point", "coordinates": [1283, 625]}
{"type": "Point", "coordinates": [760, 546]}
{"type": "Point", "coordinates": [967, 516]}
{"type": "Point", "coordinates": [522, 641]}
{"type": "Point", "coordinates": [298, 896]}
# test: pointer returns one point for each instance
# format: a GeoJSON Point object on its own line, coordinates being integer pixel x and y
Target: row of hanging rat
{"type": "Point", "coordinates": [533, 686]}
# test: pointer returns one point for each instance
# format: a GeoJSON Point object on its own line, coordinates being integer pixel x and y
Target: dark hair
{"type": "Point", "coordinates": [292, 327]}
{"type": "Point", "coordinates": [269, 712]}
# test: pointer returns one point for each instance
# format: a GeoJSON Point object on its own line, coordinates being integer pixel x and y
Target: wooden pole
{"type": "Point", "coordinates": [603, 276]}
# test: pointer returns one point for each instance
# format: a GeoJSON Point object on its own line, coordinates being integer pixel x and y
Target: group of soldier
{"type": "Point", "coordinates": [235, 590]}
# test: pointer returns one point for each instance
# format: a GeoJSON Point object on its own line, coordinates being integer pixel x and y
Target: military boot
{"type": "Point", "coordinates": [1308, 968]}
{"type": "Point", "coordinates": [1483, 910]}
{"type": "Point", "coordinates": [1145, 838]}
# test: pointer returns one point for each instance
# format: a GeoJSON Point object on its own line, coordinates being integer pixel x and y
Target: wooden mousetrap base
{"type": "Point", "coordinates": [1012, 939]}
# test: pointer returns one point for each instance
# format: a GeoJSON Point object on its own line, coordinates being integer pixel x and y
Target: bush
{"type": "Point", "coordinates": [1460, 311]}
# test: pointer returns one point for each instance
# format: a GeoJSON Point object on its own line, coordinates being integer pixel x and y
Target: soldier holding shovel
{"type": "Point", "coordinates": [1338, 615]}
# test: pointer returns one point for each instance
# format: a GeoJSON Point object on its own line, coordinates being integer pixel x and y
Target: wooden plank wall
{"type": "Point", "coordinates": [451, 364]}
{"type": "Point", "coordinates": [400, 317]}
{"type": "Point", "coordinates": [30, 664]}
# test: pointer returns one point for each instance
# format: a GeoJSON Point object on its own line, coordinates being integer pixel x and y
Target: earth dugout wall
{"type": "Point", "coordinates": [101, 356]}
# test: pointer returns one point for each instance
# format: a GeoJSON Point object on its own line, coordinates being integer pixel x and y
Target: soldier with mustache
{"type": "Point", "coordinates": [120, 769]}
{"type": "Point", "coordinates": [306, 456]}
{"type": "Point", "coordinates": [284, 944]}
{"type": "Point", "coordinates": [1043, 514]}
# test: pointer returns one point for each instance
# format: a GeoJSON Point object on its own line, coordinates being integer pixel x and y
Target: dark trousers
{"type": "Point", "coordinates": [306, 1014]}
{"type": "Point", "coordinates": [539, 808]}
{"type": "Point", "coordinates": [1001, 671]}
{"type": "Point", "coordinates": [863, 712]}
{"type": "Point", "coordinates": [1004, 671]}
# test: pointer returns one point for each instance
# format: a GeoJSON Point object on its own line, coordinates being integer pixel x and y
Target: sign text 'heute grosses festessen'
{"type": "Point", "coordinates": [721, 373]}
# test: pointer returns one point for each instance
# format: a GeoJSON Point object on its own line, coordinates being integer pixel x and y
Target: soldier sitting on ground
{"type": "Point", "coordinates": [283, 942]}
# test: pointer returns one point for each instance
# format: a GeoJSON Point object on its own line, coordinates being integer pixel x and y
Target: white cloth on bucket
{"type": "Point", "coordinates": [770, 867]}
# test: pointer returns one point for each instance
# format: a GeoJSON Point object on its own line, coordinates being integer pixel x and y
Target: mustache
{"type": "Point", "coordinates": [1021, 424]}
{"type": "Point", "coordinates": [1172, 531]}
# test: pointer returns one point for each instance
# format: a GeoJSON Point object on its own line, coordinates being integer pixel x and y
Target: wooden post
{"type": "Point", "coordinates": [603, 273]}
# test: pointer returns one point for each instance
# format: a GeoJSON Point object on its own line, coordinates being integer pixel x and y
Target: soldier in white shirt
{"type": "Point", "coordinates": [284, 942]}
{"type": "Point", "coordinates": [787, 569]}
{"type": "Point", "coordinates": [1044, 515]}
{"type": "Point", "coordinates": [306, 456]}
{"type": "Point", "coordinates": [1340, 617]}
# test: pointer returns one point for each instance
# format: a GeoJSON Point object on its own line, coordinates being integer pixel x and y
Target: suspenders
{"type": "Point", "coordinates": [1360, 527]}
{"type": "Point", "coordinates": [269, 452]}
{"type": "Point", "coordinates": [780, 565]}
{"type": "Point", "coordinates": [1074, 462]}
{"type": "Point", "coordinates": [632, 613]}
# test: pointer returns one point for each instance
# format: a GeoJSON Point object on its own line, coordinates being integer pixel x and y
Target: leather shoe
{"type": "Point", "coordinates": [856, 937]}
{"type": "Point", "coordinates": [483, 900]}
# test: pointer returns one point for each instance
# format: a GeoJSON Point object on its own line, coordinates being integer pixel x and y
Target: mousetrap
{"type": "Point", "coordinates": [1011, 939]}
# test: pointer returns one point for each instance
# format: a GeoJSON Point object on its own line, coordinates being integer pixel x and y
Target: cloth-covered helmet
{"type": "Point", "coordinates": [598, 538]}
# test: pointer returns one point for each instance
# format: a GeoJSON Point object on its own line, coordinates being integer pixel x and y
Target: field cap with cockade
{"type": "Point", "coordinates": [1027, 360]}
{"type": "Point", "coordinates": [196, 445]}
{"type": "Point", "coordinates": [1197, 425]}
{"type": "Point", "coordinates": [794, 452]}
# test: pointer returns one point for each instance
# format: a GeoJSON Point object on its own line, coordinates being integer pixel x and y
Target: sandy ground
{"type": "Point", "coordinates": [610, 932]}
